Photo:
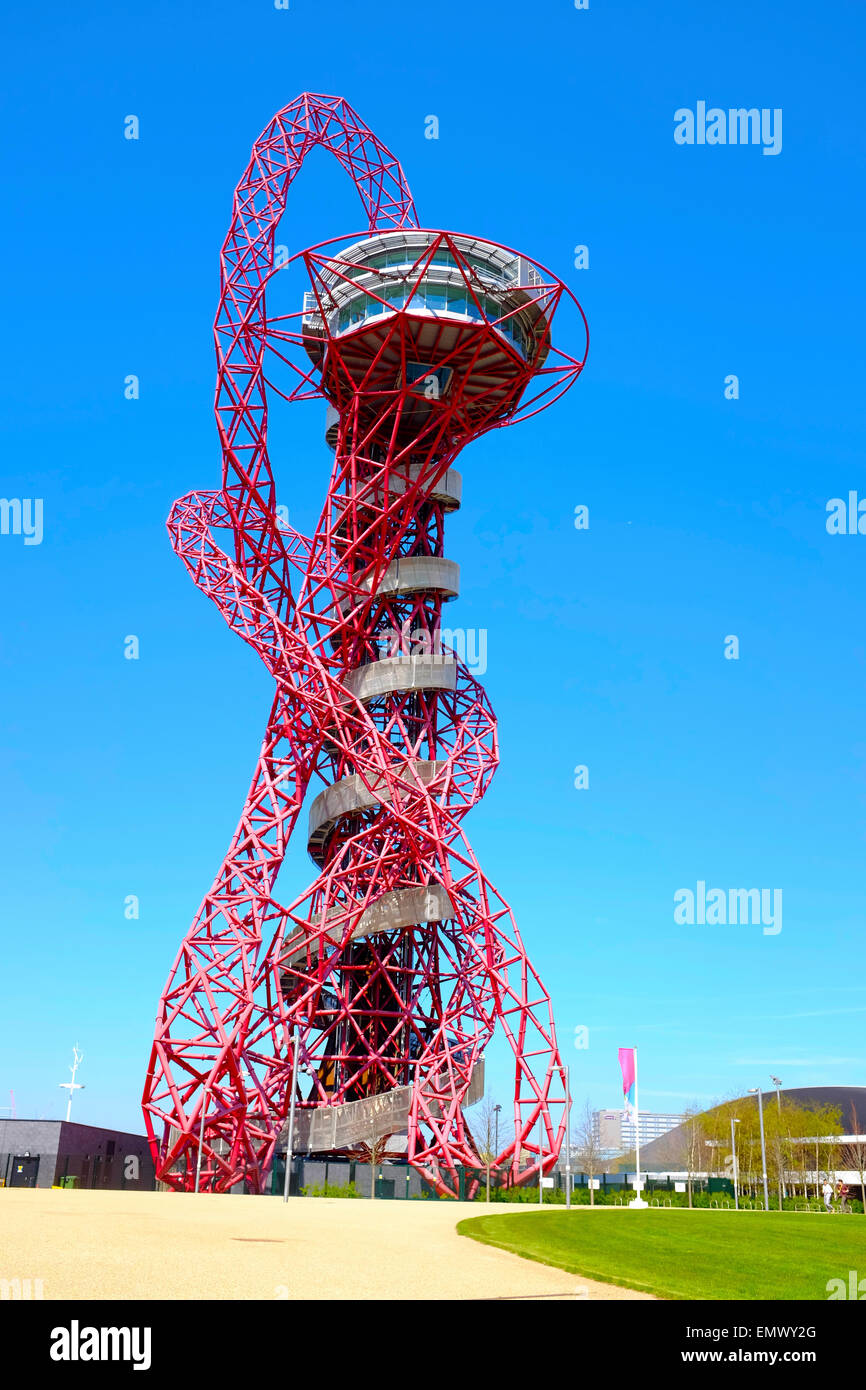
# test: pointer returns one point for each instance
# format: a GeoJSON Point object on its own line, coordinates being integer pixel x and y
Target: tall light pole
{"type": "Point", "coordinates": [290, 1141]}
{"type": "Point", "coordinates": [638, 1200]}
{"type": "Point", "coordinates": [200, 1142]}
{"type": "Point", "coordinates": [73, 1085]}
{"type": "Point", "coordinates": [778, 1085]}
{"type": "Point", "coordinates": [756, 1091]}
{"type": "Point", "coordinates": [734, 1162]}
{"type": "Point", "coordinates": [567, 1136]}
{"type": "Point", "coordinates": [496, 1110]}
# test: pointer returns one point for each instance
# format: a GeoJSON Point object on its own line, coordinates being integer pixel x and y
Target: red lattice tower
{"type": "Point", "coordinates": [394, 967]}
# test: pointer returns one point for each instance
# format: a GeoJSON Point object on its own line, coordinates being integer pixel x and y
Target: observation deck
{"type": "Point", "coordinates": [471, 312]}
{"type": "Point", "coordinates": [482, 282]}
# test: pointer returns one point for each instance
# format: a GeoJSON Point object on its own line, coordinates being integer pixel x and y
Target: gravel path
{"type": "Point", "coordinates": [182, 1246]}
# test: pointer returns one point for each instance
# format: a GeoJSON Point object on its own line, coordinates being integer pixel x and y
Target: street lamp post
{"type": "Point", "coordinates": [200, 1142]}
{"type": "Point", "coordinates": [778, 1085]}
{"type": "Point", "coordinates": [290, 1141]}
{"type": "Point", "coordinates": [756, 1091]}
{"type": "Point", "coordinates": [734, 1162]}
{"type": "Point", "coordinates": [567, 1137]}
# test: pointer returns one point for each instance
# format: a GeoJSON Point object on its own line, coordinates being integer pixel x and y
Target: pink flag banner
{"type": "Point", "coordinates": [627, 1063]}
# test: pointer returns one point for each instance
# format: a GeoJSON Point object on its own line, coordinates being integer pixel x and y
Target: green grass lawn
{"type": "Point", "coordinates": [687, 1254]}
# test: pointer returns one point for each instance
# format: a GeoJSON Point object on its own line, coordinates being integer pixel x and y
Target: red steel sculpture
{"type": "Point", "coordinates": [390, 972]}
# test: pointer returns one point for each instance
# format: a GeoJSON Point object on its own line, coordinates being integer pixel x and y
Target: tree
{"type": "Point", "coordinates": [488, 1125]}
{"type": "Point", "coordinates": [815, 1123]}
{"type": "Point", "coordinates": [586, 1143]}
{"type": "Point", "coordinates": [853, 1155]}
{"type": "Point", "coordinates": [798, 1128]}
{"type": "Point", "coordinates": [377, 1147]}
{"type": "Point", "coordinates": [693, 1138]}
{"type": "Point", "coordinates": [488, 1122]}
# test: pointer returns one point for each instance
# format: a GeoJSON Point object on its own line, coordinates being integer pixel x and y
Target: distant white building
{"type": "Point", "coordinates": [615, 1133]}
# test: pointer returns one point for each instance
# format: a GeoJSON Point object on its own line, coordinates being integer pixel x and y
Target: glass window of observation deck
{"type": "Point", "coordinates": [438, 299]}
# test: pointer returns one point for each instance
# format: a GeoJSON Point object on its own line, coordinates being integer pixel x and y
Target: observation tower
{"type": "Point", "coordinates": [371, 997]}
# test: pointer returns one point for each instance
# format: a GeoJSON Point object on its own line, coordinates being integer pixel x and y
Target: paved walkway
{"type": "Point", "coordinates": [182, 1246]}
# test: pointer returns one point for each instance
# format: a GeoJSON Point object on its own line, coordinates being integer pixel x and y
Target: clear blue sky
{"type": "Point", "coordinates": [707, 516]}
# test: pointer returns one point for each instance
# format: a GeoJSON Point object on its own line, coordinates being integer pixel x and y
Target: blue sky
{"type": "Point", "coordinates": [605, 647]}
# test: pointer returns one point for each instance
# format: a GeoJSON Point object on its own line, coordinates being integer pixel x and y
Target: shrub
{"type": "Point", "coordinates": [331, 1189]}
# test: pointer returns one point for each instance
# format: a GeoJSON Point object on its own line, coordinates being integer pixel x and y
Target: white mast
{"type": "Point", "coordinates": [73, 1085]}
{"type": "Point", "coordinates": [638, 1199]}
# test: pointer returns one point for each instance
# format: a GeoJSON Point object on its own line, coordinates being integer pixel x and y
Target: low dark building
{"type": "Point", "coordinates": [50, 1153]}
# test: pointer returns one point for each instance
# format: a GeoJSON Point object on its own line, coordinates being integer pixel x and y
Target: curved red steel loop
{"type": "Point", "coordinates": [398, 961]}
